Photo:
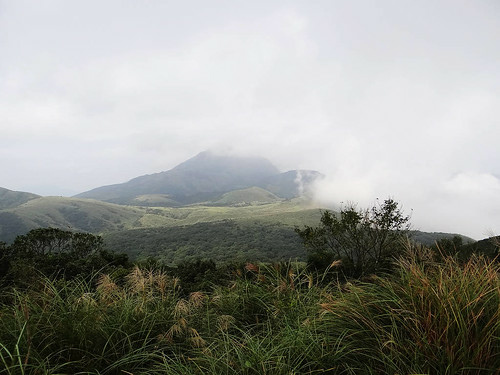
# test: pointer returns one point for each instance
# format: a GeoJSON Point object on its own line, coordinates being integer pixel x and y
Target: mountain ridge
{"type": "Point", "coordinates": [205, 177]}
{"type": "Point", "coordinates": [11, 198]}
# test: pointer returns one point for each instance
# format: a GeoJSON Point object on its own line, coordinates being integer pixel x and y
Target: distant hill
{"type": "Point", "coordinates": [488, 246]}
{"type": "Point", "coordinates": [209, 206]}
{"type": "Point", "coordinates": [252, 195]}
{"type": "Point", "coordinates": [10, 198]}
{"type": "Point", "coordinates": [430, 238]}
{"type": "Point", "coordinates": [261, 228]}
{"type": "Point", "coordinates": [204, 178]}
{"type": "Point", "coordinates": [290, 184]}
{"type": "Point", "coordinates": [98, 217]}
{"type": "Point", "coordinates": [66, 213]}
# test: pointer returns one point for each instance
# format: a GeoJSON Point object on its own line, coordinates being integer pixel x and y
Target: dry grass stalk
{"type": "Point", "coordinates": [136, 280]}
{"type": "Point", "coordinates": [195, 338]}
{"type": "Point", "coordinates": [86, 300]}
{"type": "Point", "coordinates": [196, 299]}
{"type": "Point", "coordinates": [107, 289]}
{"type": "Point", "coordinates": [161, 281]}
{"type": "Point", "coordinates": [283, 285]}
{"type": "Point", "coordinates": [225, 321]}
{"type": "Point", "coordinates": [175, 283]}
{"type": "Point", "coordinates": [181, 308]}
{"type": "Point", "coordinates": [336, 263]}
{"type": "Point", "coordinates": [310, 281]}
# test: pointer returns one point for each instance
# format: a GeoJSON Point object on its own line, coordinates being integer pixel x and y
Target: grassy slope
{"type": "Point", "coordinates": [430, 238]}
{"type": "Point", "coordinates": [251, 232]}
{"type": "Point", "coordinates": [100, 217]}
{"type": "Point", "coordinates": [263, 232]}
{"type": "Point", "coordinates": [67, 213]}
{"type": "Point", "coordinates": [247, 196]}
{"type": "Point", "coordinates": [9, 198]}
{"type": "Point", "coordinates": [292, 212]}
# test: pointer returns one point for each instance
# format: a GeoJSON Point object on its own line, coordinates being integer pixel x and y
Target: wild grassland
{"type": "Point", "coordinates": [101, 217]}
{"type": "Point", "coordinates": [428, 317]}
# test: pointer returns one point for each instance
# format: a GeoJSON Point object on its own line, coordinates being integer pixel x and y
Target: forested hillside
{"type": "Point", "coordinates": [217, 241]}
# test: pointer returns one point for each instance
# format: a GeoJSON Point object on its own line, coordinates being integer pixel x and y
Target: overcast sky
{"type": "Point", "coordinates": [387, 98]}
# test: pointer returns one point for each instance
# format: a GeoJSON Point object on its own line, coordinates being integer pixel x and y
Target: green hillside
{"type": "Point", "coordinates": [217, 241]}
{"type": "Point", "coordinates": [204, 178]}
{"type": "Point", "coordinates": [291, 212]}
{"type": "Point", "coordinates": [489, 246]}
{"type": "Point", "coordinates": [430, 238]}
{"type": "Point", "coordinates": [154, 200]}
{"type": "Point", "coordinates": [252, 195]}
{"type": "Point", "coordinates": [10, 198]}
{"type": "Point", "coordinates": [256, 231]}
{"type": "Point", "coordinates": [66, 213]}
{"type": "Point", "coordinates": [194, 180]}
{"type": "Point", "coordinates": [100, 217]}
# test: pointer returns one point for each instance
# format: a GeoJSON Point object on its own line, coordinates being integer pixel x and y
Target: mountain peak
{"type": "Point", "coordinates": [210, 162]}
{"type": "Point", "coordinates": [202, 178]}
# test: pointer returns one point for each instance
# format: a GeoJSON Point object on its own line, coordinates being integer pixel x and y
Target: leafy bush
{"type": "Point", "coordinates": [52, 251]}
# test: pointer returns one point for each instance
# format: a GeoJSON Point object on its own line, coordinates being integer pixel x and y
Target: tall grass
{"type": "Point", "coordinates": [432, 318]}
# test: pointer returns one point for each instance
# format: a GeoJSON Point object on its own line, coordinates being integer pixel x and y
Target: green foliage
{"type": "Point", "coordinates": [4, 259]}
{"type": "Point", "coordinates": [217, 241]}
{"type": "Point", "coordinates": [52, 251]}
{"type": "Point", "coordinates": [49, 241]}
{"type": "Point", "coordinates": [448, 246]}
{"type": "Point", "coordinates": [428, 317]}
{"type": "Point", "coordinates": [364, 240]}
{"type": "Point", "coordinates": [199, 275]}
{"type": "Point", "coordinates": [489, 247]}
{"type": "Point", "coordinates": [462, 249]}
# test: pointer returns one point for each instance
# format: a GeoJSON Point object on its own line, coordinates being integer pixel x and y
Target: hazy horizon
{"type": "Point", "coordinates": [385, 98]}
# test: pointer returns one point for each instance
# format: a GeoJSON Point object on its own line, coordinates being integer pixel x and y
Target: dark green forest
{"type": "Point", "coordinates": [218, 241]}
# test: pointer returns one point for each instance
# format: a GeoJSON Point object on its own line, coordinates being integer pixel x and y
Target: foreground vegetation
{"type": "Point", "coordinates": [367, 301]}
{"type": "Point", "coordinates": [427, 317]}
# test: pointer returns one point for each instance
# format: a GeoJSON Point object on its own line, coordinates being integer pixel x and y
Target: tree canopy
{"type": "Point", "coordinates": [363, 240]}
{"type": "Point", "coordinates": [55, 252]}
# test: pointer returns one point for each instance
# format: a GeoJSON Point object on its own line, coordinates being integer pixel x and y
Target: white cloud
{"type": "Point", "coordinates": [479, 184]}
{"type": "Point", "coordinates": [386, 99]}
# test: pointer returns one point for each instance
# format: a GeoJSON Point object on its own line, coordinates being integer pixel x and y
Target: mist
{"type": "Point", "coordinates": [384, 98]}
